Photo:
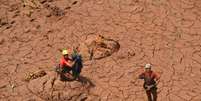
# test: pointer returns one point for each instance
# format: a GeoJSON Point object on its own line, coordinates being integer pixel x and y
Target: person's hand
{"type": "Point", "coordinates": [72, 63]}
{"type": "Point", "coordinates": [157, 81]}
{"type": "Point", "coordinates": [149, 87]}
{"type": "Point", "coordinates": [157, 78]}
{"type": "Point", "coordinates": [141, 76]}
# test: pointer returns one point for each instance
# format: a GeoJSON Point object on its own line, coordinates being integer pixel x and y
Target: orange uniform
{"type": "Point", "coordinates": [65, 62]}
{"type": "Point", "coordinates": [149, 81]}
{"type": "Point", "coordinates": [150, 74]}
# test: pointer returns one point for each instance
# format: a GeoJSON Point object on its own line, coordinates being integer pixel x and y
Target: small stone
{"type": "Point", "coordinates": [3, 23]}
{"type": "Point", "coordinates": [2, 40]}
{"type": "Point", "coordinates": [38, 26]}
{"type": "Point", "coordinates": [42, 1]}
{"type": "Point", "coordinates": [25, 62]}
{"type": "Point", "coordinates": [8, 26]}
{"type": "Point", "coordinates": [49, 15]}
{"type": "Point", "coordinates": [68, 8]}
{"type": "Point", "coordinates": [32, 20]}
{"type": "Point", "coordinates": [13, 86]}
{"type": "Point", "coordinates": [15, 15]}
{"type": "Point", "coordinates": [17, 12]}
{"type": "Point", "coordinates": [3, 84]}
{"type": "Point", "coordinates": [12, 22]}
{"type": "Point", "coordinates": [27, 30]}
{"type": "Point", "coordinates": [75, 2]}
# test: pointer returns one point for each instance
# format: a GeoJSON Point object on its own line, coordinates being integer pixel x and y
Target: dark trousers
{"type": "Point", "coordinates": [66, 69]}
{"type": "Point", "coordinates": [63, 72]}
{"type": "Point", "coordinates": [152, 94]}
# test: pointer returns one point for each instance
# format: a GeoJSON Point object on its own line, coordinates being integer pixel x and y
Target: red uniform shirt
{"type": "Point", "coordinates": [64, 62]}
{"type": "Point", "coordinates": [150, 74]}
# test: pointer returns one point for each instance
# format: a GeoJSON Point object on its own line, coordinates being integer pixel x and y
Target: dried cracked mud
{"type": "Point", "coordinates": [165, 33]}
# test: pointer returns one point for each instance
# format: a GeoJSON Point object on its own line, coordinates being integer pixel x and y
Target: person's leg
{"type": "Point", "coordinates": [154, 94]}
{"type": "Point", "coordinates": [62, 74]}
{"type": "Point", "coordinates": [74, 71]}
{"type": "Point", "coordinates": [68, 69]}
{"type": "Point", "coordinates": [77, 69]}
{"type": "Point", "coordinates": [149, 95]}
{"type": "Point", "coordinates": [66, 72]}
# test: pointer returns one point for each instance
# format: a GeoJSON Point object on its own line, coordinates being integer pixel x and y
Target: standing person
{"type": "Point", "coordinates": [150, 82]}
{"type": "Point", "coordinates": [78, 65]}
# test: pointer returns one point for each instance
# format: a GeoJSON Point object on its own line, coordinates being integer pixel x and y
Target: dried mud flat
{"type": "Point", "coordinates": [165, 33]}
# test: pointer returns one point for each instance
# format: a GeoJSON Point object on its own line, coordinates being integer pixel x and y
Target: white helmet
{"type": "Point", "coordinates": [147, 66]}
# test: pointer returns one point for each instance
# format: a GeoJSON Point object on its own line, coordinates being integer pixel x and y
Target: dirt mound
{"type": "Point", "coordinates": [98, 47]}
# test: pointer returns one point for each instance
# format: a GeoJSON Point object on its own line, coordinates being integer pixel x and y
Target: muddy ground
{"type": "Point", "coordinates": [165, 33]}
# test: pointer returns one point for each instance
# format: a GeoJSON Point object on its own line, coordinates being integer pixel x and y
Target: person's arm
{"type": "Point", "coordinates": [141, 76]}
{"type": "Point", "coordinates": [61, 64]}
{"type": "Point", "coordinates": [69, 64]}
{"type": "Point", "coordinates": [157, 78]}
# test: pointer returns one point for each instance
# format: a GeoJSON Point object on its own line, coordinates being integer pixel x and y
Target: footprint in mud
{"type": "Point", "coordinates": [98, 47]}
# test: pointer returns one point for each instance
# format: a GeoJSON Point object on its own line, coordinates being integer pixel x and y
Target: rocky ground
{"type": "Point", "coordinates": [165, 33]}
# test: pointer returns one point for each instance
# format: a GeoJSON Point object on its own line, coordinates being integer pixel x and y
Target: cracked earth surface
{"type": "Point", "coordinates": [165, 33]}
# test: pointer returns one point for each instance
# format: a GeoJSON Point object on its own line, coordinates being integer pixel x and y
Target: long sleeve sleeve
{"type": "Point", "coordinates": [156, 76]}
{"type": "Point", "coordinates": [141, 76]}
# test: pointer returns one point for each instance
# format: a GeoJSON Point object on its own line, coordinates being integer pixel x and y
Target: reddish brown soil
{"type": "Point", "coordinates": [165, 33]}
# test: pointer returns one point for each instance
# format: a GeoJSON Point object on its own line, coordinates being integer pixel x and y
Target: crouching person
{"type": "Point", "coordinates": [65, 65]}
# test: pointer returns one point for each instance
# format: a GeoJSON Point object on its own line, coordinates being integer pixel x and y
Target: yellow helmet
{"type": "Point", "coordinates": [65, 52]}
